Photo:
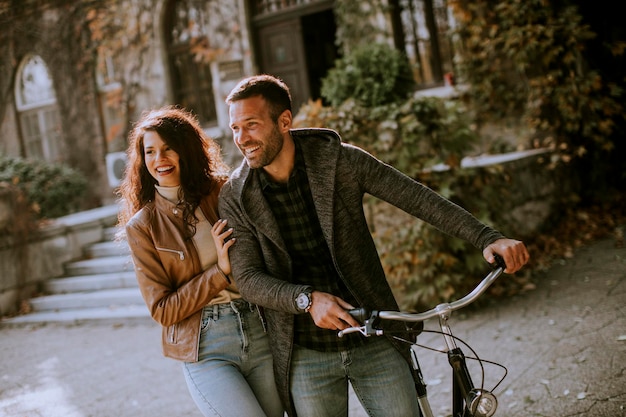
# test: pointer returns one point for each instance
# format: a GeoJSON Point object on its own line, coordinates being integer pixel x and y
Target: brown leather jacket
{"type": "Point", "coordinates": [169, 273]}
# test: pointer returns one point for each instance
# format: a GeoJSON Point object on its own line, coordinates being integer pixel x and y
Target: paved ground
{"type": "Point", "coordinates": [564, 345]}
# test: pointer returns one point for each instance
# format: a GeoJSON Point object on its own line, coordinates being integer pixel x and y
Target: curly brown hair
{"type": "Point", "coordinates": [201, 164]}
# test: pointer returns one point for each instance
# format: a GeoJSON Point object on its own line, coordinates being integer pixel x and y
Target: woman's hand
{"type": "Point", "coordinates": [222, 246]}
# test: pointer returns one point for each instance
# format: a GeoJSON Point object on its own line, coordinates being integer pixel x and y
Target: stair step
{"type": "Point", "coordinates": [104, 265]}
{"type": "Point", "coordinates": [112, 314]}
{"type": "Point", "coordinates": [93, 282]}
{"type": "Point", "coordinates": [109, 233]}
{"type": "Point", "coordinates": [103, 298]}
{"type": "Point", "coordinates": [102, 249]}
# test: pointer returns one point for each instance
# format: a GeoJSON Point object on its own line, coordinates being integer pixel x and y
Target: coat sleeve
{"type": "Point", "coordinates": [389, 184]}
{"type": "Point", "coordinates": [262, 280]}
{"type": "Point", "coordinates": [167, 302]}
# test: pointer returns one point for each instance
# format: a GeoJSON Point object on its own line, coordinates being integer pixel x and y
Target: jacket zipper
{"type": "Point", "coordinates": [181, 254]}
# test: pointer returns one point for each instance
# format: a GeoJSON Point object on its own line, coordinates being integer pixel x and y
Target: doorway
{"type": "Point", "coordinates": [298, 46]}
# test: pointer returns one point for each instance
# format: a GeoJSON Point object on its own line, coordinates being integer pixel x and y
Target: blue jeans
{"type": "Point", "coordinates": [380, 376]}
{"type": "Point", "coordinates": [234, 375]}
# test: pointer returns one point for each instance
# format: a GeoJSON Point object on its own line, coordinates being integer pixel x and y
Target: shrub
{"type": "Point", "coordinates": [373, 74]}
{"type": "Point", "coordinates": [52, 190]}
{"type": "Point", "coordinates": [411, 135]}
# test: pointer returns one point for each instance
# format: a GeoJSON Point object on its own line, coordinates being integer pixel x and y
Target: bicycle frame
{"type": "Point", "coordinates": [467, 400]}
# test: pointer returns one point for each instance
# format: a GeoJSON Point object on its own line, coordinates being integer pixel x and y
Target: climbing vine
{"type": "Point", "coordinates": [528, 59]}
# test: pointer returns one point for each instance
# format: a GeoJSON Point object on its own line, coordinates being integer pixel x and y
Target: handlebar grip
{"type": "Point", "coordinates": [499, 262]}
{"type": "Point", "coordinates": [360, 314]}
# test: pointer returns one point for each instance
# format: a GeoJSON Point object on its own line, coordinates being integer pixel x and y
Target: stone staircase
{"type": "Point", "coordinates": [100, 287]}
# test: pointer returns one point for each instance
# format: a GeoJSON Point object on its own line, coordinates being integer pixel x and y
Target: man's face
{"type": "Point", "coordinates": [255, 133]}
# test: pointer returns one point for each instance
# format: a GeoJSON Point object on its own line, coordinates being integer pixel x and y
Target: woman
{"type": "Point", "coordinates": [179, 249]}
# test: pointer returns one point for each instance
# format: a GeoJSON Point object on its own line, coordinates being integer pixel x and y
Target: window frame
{"type": "Point", "coordinates": [38, 117]}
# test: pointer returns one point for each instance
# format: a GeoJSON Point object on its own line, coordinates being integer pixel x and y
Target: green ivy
{"type": "Point", "coordinates": [527, 59]}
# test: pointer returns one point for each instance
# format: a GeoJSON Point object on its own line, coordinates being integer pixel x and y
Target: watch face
{"type": "Point", "coordinates": [302, 301]}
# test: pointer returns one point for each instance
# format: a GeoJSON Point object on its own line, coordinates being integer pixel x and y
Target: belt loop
{"type": "Point", "coordinates": [216, 310]}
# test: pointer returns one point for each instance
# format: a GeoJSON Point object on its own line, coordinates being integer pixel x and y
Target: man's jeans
{"type": "Point", "coordinates": [380, 376]}
{"type": "Point", "coordinates": [234, 375]}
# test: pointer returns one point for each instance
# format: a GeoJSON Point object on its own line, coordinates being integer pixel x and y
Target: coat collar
{"type": "Point", "coordinates": [320, 148]}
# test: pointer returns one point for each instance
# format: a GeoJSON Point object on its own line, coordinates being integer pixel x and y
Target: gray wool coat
{"type": "Point", "coordinates": [339, 175]}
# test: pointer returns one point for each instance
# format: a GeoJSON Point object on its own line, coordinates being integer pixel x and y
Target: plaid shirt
{"type": "Point", "coordinates": [293, 208]}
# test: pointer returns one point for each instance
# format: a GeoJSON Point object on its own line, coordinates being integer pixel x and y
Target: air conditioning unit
{"type": "Point", "coordinates": [116, 166]}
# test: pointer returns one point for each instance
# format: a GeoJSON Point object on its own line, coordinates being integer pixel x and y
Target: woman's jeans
{"type": "Point", "coordinates": [233, 375]}
{"type": "Point", "coordinates": [380, 376]}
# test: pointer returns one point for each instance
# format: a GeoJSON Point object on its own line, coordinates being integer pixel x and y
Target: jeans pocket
{"type": "Point", "coordinates": [207, 319]}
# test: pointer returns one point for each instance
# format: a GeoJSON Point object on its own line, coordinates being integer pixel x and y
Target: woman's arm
{"type": "Point", "coordinates": [169, 303]}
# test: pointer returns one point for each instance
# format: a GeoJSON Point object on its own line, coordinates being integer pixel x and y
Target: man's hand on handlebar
{"type": "Point", "coordinates": [513, 252]}
{"type": "Point", "coordinates": [330, 312]}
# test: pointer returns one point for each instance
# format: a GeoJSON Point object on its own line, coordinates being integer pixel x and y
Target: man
{"type": "Point", "coordinates": [305, 253]}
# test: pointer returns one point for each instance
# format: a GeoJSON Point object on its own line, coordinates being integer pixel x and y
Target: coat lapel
{"type": "Point", "coordinates": [260, 213]}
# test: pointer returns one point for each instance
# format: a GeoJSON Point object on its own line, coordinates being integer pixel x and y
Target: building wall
{"type": "Point", "coordinates": [9, 145]}
{"type": "Point", "coordinates": [86, 141]}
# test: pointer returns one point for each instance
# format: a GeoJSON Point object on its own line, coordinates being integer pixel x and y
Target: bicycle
{"type": "Point", "coordinates": [467, 399]}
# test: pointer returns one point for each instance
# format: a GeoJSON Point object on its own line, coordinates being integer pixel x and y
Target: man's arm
{"type": "Point", "coordinates": [387, 183]}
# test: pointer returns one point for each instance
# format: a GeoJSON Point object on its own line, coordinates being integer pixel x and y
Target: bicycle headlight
{"type": "Point", "coordinates": [482, 403]}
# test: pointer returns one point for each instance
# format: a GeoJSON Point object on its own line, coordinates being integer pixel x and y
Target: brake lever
{"type": "Point", "coordinates": [349, 330]}
{"type": "Point", "coordinates": [369, 319]}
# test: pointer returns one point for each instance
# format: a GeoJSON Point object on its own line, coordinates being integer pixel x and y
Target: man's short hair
{"type": "Point", "coordinates": [271, 88]}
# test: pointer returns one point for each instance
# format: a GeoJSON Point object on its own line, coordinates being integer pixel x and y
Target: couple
{"type": "Point", "coordinates": [285, 250]}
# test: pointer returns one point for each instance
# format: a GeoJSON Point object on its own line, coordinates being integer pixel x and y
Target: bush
{"type": "Point", "coordinates": [412, 135]}
{"type": "Point", "coordinates": [52, 190]}
{"type": "Point", "coordinates": [374, 74]}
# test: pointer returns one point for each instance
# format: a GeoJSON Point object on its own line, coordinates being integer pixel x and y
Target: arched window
{"type": "Point", "coordinates": [192, 82]}
{"type": "Point", "coordinates": [38, 112]}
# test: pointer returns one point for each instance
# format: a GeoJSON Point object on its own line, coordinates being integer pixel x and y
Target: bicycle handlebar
{"type": "Point", "coordinates": [368, 318]}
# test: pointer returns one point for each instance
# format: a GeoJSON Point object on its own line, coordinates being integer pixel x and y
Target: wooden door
{"type": "Point", "coordinates": [282, 55]}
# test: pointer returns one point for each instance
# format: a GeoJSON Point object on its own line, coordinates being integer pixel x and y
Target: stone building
{"type": "Point", "coordinates": [75, 74]}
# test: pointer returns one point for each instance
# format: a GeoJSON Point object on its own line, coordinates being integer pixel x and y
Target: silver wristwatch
{"type": "Point", "coordinates": [304, 301]}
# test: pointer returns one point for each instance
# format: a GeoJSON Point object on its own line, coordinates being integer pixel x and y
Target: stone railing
{"type": "Point", "coordinates": [25, 265]}
{"type": "Point", "coordinates": [535, 192]}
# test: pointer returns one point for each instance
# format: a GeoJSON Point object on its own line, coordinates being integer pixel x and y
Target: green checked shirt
{"type": "Point", "coordinates": [294, 210]}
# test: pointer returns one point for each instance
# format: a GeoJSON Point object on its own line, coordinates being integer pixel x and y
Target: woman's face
{"type": "Point", "coordinates": [163, 162]}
